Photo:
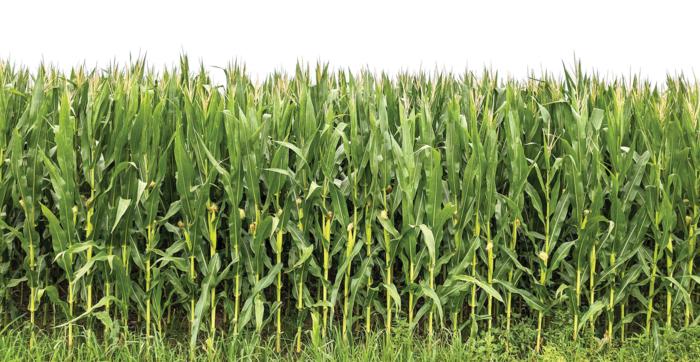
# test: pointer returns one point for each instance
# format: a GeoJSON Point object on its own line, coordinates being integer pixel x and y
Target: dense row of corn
{"type": "Point", "coordinates": [348, 201]}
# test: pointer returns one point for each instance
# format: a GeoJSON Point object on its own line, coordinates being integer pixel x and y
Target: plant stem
{"type": "Point", "coordinates": [387, 259]}
{"type": "Point", "coordinates": [150, 231]}
{"type": "Point", "coordinates": [477, 233]}
{"type": "Point", "coordinates": [543, 272]}
{"type": "Point", "coordinates": [70, 315]}
{"type": "Point", "coordinates": [108, 285]}
{"type": "Point", "coordinates": [513, 240]}
{"type": "Point", "coordinates": [489, 251]}
{"type": "Point", "coordinates": [582, 229]}
{"type": "Point", "coordinates": [650, 305]}
{"type": "Point", "coordinates": [689, 271]}
{"type": "Point", "coordinates": [611, 306]}
{"type": "Point", "coordinates": [591, 281]}
{"type": "Point", "coordinates": [326, 265]}
{"type": "Point", "coordinates": [368, 244]}
{"type": "Point", "coordinates": [237, 280]}
{"type": "Point", "coordinates": [622, 322]}
{"type": "Point", "coordinates": [89, 228]}
{"type": "Point", "coordinates": [431, 271]}
{"type": "Point", "coordinates": [411, 276]}
{"type": "Point", "coordinates": [300, 290]}
{"type": "Point", "coordinates": [346, 287]}
{"type": "Point", "coordinates": [669, 271]}
{"type": "Point", "coordinates": [32, 270]}
{"type": "Point", "coordinates": [212, 252]}
{"type": "Point", "coordinates": [190, 246]}
{"type": "Point", "coordinates": [278, 342]}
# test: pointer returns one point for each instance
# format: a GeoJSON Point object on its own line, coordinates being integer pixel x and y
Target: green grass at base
{"type": "Point", "coordinates": [681, 345]}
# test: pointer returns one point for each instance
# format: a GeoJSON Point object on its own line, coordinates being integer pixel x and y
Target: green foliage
{"type": "Point", "coordinates": [497, 345]}
{"type": "Point", "coordinates": [326, 205]}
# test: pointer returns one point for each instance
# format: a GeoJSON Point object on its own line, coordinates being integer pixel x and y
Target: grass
{"type": "Point", "coordinates": [494, 346]}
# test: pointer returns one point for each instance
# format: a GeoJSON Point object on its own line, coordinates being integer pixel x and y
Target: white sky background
{"type": "Point", "coordinates": [651, 38]}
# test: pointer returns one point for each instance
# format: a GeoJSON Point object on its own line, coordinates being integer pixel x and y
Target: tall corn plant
{"type": "Point", "coordinates": [552, 212]}
{"type": "Point", "coordinates": [382, 209]}
{"type": "Point", "coordinates": [482, 197]}
{"type": "Point", "coordinates": [96, 212]}
{"type": "Point", "coordinates": [689, 158]}
{"type": "Point", "coordinates": [369, 193]}
{"type": "Point", "coordinates": [233, 181]}
{"type": "Point", "coordinates": [123, 187]}
{"type": "Point", "coordinates": [63, 174]}
{"type": "Point", "coordinates": [150, 142]}
{"type": "Point", "coordinates": [253, 135]}
{"type": "Point", "coordinates": [27, 170]}
{"type": "Point", "coordinates": [681, 250]}
{"type": "Point", "coordinates": [276, 177]}
{"type": "Point", "coordinates": [584, 175]}
{"type": "Point", "coordinates": [463, 192]}
{"type": "Point", "coordinates": [408, 176]}
{"type": "Point", "coordinates": [88, 156]}
{"type": "Point", "coordinates": [453, 291]}
{"type": "Point", "coordinates": [659, 198]}
{"type": "Point", "coordinates": [204, 113]}
{"type": "Point", "coordinates": [624, 177]}
{"type": "Point", "coordinates": [328, 139]}
{"type": "Point", "coordinates": [437, 213]}
{"type": "Point", "coordinates": [517, 179]}
{"type": "Point", "coordinates": [301, 140]}
{"type": "Point", "coordinates": [194, 197]}
{"type": "Point", "coordinates": [477, 163]}
{"type": "Point", "coordinates": [6, 77]}
{"type": "Point", "coordinates": [356, 157]}
{"type": "Point", "coordinates": [92, 103]}
{"type": "Point", "coordinates": [490, 163]}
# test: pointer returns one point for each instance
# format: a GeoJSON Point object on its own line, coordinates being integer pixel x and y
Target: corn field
{"type": "Point", "coordinates": [161, 203]}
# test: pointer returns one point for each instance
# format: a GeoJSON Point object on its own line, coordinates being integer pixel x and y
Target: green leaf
{"type": "Point", "coordinates": [435, 299]}
{"type": "Point", "coordinates": [593, 311]}
{"type": "Point", "coordinates": [394, 294]}
{"type": "Point", "coordinates": [528, 297]}
{"type": "Point", "coordinates": [596, 118]}
{"type": "Point", "coordinates": [429, 242]}
{"type": "Point", "coordinates": [484, 286]}
{"type": "Point", "coordinates": [122, 206]}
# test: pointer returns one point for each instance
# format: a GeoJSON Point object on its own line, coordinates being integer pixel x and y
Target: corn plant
{"type": "Point", "coordinates": [379, 192]}
{"type": "Point", "coordinates": [688, 158]}
{"type": "Point", "coordinates": [28, 171]}
{"type": "Point", "coordinates": [63, 175]}
{"type": "Point", "coordinates": [328, 139]}
{"type": "Point", "coordinates": [408, 177]}
{"type": "Point", "coordinates": [5, 246]}
{"type": "Point", "coordinates": [551, 213]}
{"type": "Point", "coordinates": [519, 171]}
{"type": "Point", "coordinates": [584, 171]}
